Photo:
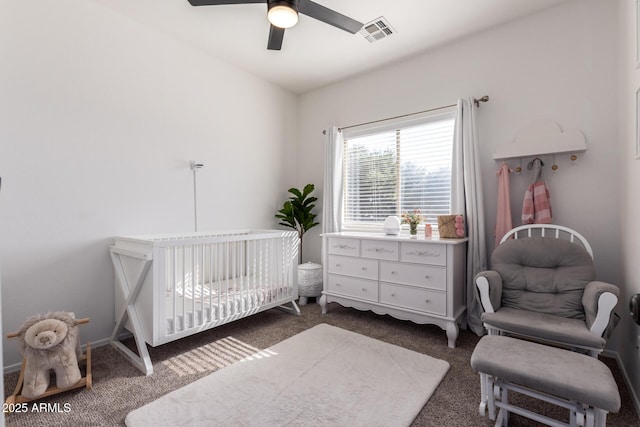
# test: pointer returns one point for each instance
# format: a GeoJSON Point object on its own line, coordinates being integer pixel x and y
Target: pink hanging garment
{"type": "Point", "coordinates": [503, 216]}
{"type": "Point", "coordinates": [536, 208]}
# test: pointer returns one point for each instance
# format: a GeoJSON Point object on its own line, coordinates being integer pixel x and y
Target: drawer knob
{"type": "Point", "coordinates": [364, 268]}
{"type": "Point", "coordinates": [338, 265]}
{"type": "Point", "coordinates": [338, 284]}
{"type": "Point", "coordinates": [364, 289]}
{"type": "Point", "coordinates": [394, 272]}
{"type": "Point", "coordinates": [426, 276]}
{"type": "Point", "coordinates": [427, 301]}
{"type": "Point", "coordinates": [393, 294]}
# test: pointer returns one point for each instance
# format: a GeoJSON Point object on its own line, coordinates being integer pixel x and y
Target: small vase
{"type": "Point", "coordinates": [413, 229]}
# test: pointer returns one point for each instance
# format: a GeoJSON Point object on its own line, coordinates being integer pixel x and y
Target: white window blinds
{"type": "Point", "coordinates": [397, 166]}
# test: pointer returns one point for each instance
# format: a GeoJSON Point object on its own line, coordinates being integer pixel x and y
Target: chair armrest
{"type": "Point", "coordinates": [488, 290]}
{"type": "Point", "coordinates": [599, 300]}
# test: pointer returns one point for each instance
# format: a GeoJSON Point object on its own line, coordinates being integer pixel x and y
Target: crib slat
{"type": "Point", "coordinates": [203, 283]}
{"type": "Point", "coordinates": [234, 260]}
{"type": "Point", "coordinates": [184, 287]}
{"type": "Point", "coordinates": [174, 290]}
{"type": "Point", "coordinates": [210, 284]}
{"type": "Point", "coordinates": [259, 261]}
{"type": "Point", "coordinates": [254, 272]}
{"type": "Point", "coordinates": [247, 266]}
{"type": "Point", "coordinates": [226, 275]}
{"type": "Point", "coordinates": [270, 269]}
{"type": "Point", "coordinates": [194, 281]}
{"type": "Point", "coordinates": [265, 271]}
{"type": "Point", "coordinates": [243, 285]}
{"type": "Point", "coordinates": [219, 278]}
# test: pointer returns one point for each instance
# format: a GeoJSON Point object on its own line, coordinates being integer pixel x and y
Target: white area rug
{"type": "Point", "coordinates": [324, 376]}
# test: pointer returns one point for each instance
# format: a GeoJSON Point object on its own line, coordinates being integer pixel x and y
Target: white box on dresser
{"type": "Point", "coordinates": [418, 279]}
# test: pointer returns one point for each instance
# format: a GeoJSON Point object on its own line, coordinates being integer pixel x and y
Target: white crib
{"type": "Point", "coordinates": [172, 286]}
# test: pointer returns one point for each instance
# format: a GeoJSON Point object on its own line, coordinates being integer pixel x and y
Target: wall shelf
{"type": "Point", "coordinates": [540, 138]}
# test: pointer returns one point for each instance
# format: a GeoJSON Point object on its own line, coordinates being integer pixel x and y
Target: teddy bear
{"type": "Point", "coordinates": [49, 342]}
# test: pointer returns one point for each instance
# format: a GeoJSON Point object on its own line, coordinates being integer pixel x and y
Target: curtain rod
{"type": "Point", "coordinates": [476, 101]}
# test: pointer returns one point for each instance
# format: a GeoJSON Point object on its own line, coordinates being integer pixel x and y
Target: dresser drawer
{"type": "Point", "coordinates": [379, 249]}
{"type": "Point", "coordinates": [358, 267]}
{"type": "Point", "coordinates": [339, 246]}
{"type": "Point", "coordinates": [414, 274]}
{"type": "Point", "coordinates": [423, 253]}
{"type": "Point", "coordinates": [353, 287]}
{"type": "Point", "coordinates": [414, 298]}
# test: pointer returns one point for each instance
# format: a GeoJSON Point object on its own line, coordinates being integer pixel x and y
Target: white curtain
{"type": "Point", "coordinates": [332, 191]}
{"type": "Point", "coordinates": [466, 198]}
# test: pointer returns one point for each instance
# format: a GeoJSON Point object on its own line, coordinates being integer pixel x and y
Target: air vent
{"type": "Point", "coordinates": [377, 29]}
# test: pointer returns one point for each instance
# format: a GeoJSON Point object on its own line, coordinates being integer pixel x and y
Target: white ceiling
{"type": "Point", "coordinates": [315, 54]}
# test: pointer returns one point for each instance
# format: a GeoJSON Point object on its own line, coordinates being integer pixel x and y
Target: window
{"type": "Point", "coordinates": [398, 166]}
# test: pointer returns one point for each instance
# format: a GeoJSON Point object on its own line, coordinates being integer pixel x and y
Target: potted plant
{"type": "Point", "coordinates": [297, 212]}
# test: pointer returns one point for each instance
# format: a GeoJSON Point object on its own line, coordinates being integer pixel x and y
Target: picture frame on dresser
{"type": "Point", "coordinates": [417, 279]}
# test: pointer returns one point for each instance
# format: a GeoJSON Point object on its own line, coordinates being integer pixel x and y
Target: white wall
{"type": "Point", "coordinates": [630, 189]}
{"type": "Point", "coordinates": [559, 64]}
{"type": "Point", "coordinates": [99, 118]}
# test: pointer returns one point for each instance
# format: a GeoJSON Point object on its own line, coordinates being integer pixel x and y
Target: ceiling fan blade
{"type": "Point", "coordinates": [276, 35]}
{"type": "Point", "coordinates": [328, 16]}
{"type": "Point", "coordinates": [217, 2]}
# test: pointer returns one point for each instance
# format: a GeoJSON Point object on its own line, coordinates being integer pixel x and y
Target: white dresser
{"type": "Point", "coordinates": [418, 279]}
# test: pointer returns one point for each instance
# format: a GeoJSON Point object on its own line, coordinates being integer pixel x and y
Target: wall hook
{"type": "Point", "coordinates": [518, 168]}
{"type": "Point", "coordinates": [530, 164]}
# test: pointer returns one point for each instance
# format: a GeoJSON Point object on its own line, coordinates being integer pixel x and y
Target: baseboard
{"type": "Point", "coordinates": [634, 396]}
{"type": "Point", "coordinates": [16, 366]}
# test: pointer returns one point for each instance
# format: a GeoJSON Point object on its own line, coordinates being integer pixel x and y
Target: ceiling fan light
{"type": "Point", "coordinates": [282, 16]}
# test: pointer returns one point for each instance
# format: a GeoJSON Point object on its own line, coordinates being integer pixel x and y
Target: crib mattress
{"type": "Point", "coordinates": [200, 305]}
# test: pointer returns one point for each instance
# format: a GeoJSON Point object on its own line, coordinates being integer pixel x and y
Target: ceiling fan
{"type": "Point", "coordinates": [283, 14]}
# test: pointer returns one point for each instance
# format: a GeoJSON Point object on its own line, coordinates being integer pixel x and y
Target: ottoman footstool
{"type": "Point", "coordinates": [582, 384]}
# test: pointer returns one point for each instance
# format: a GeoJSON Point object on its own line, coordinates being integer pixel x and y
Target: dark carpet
{"type": "Point", "coordinates": [118, 387]}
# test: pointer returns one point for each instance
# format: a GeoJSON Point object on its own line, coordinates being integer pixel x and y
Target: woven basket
{"type": "Point", "coordinates": [309, 280]}
{"type": "Point", "coordinates": [447, 226]}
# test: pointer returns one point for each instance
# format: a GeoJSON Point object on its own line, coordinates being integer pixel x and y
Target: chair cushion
{"type": "Point", "coordinates": [572, 332]}
{"type": "Point", "coordinates": [544, 275]}
{"type": "Point", "coordinates": [550, 370]}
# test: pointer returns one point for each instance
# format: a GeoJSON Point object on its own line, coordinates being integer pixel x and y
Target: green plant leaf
{"type": "Point", "coordinates": [296, 193]}
{"type": "Point", "coordinates": [296, 212]}
{"type": "Point", "coordinates": [308, 189]}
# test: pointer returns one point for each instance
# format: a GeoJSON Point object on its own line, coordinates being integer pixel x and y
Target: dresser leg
{"type": "Point", "coordinates": [452, 334]}
{"type": "Point", "coordinates": [323, 304]}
